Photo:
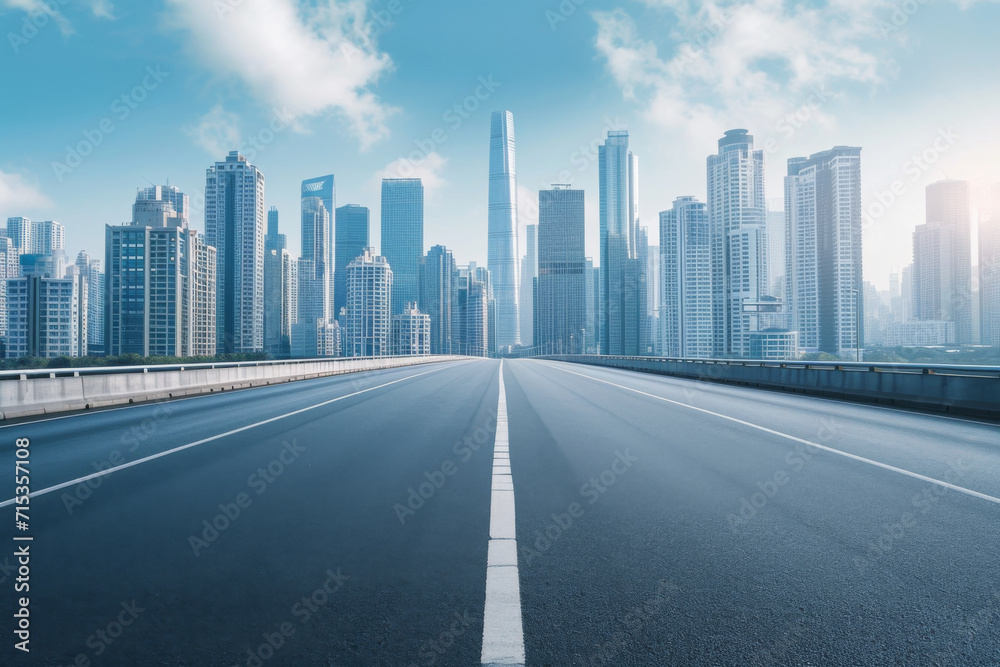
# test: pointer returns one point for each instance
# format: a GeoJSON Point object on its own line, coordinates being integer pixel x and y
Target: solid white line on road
{"type": "Point", "coordinates": [503, 634]}
{"type": "Point", "coordinates": [108, 471]}
{"type": "Point", "coordinates": [855, 457]}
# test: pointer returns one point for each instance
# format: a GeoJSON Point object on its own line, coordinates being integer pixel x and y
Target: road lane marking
{"type": "Point", "coordinates": [503, 634]}
{"type": "Point", "coordinates": [152, 457]}
{"type": "Point", "coordinates": [855, 457]}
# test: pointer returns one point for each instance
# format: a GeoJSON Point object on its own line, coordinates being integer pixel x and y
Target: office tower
{"type": "Point", "coordinates": [592, 280]}
{"type": "Point", "coordinates": [20, 231]}
{"type": "Point", "coordinates": [277, 326]}
{"type": "Point", "coordinates": [155, 276]}
{"type": "Point", "coordinates": [989, 274]}
{"type": "Point", "coordinates": [411, 332]}
{"type": "Point", "coordinates": [437, 286]}
{"type": "Point", "coordinates": [90, 269]}
{"type": "Point", "coordinates": [823, 270]}
{"type": "Point", "coordinates": [529, 271]}
{"type": "Point", "coordinates": [324, 188]}
{"type": "Point", "coordinates": [737, 217]}
{"type": "Point", "coordinates": [47, 312]}
{"type": "Point", "coordinates": [471, 329]}
{"type": "Point", "coordinates": [686, 323]}
{"type": "Point", "coordinates": [619, 226]}
{"type": "Point", "coordinates": [203, 338]}
{"type": "Point", "coordinates": [502, 253]}
{"type": "Point", "coordinates": [9, 268]}
{"type": "Point", "coordinates": [638, 315]}
{"type": "Point", "coordinates": [482, 275]}
{"type": "Point", "coordinates": [654, 284]}
{"type": "Point", "coordinates": [403, 237]}
{"type": "Point", "coordinates": [314, 277]}
{"type": "Point", "coordinates": [943, 273]}
{"type": "Point", "coordinates": [234, 226]}
{"type": "Point", "coordinates": [776, 248]}
{"type": "Point", "coordinates": [369, 295]}
{"type": "Point", "coordinates": [561, 309]}
{"type": "Point", "coordinates": [352, 234]}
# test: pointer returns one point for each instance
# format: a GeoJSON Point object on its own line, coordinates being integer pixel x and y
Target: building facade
{"type": "Point", "coordinates": [403, 237]}
{"type": "Point", "coordinates": [502, 252]}
{"type": "Point", "coordinates": [561, 306]}
{"type": "Point", "coordinates": [686, 316]}
{"type": "Point", "coordinates": [351, 236]}
{"type": "Point", "coordinates": [437, 293]}
{"type": "Point", "coordinates": [369, 310]}
{"type": "Point", "coordinates": [411, 332]}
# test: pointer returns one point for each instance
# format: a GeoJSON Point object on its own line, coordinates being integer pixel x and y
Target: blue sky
{"type": "Point", "coordinates": [200, 77]}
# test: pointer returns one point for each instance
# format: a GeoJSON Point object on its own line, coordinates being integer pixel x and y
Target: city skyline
{"type": "Point", "coordinates": [817, 108]}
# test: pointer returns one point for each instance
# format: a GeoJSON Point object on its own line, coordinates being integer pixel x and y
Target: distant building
{"type": "Point", "coordinates": [9, 268]}
{"type": "Point", "coordinates": [437, 293]}
{"type": "Point", "coordinates": [823, 275]}
{"type": "Point", "coordinates": [411, 332]}
{"type": "Point", "coordinates": [774, 344]}
{"type": "Point", "coordinates": [277, 325]}
{"type": "Point", "coordinates": [47, 313]}
{"type": "Point", "coordinates": [920, 333]}
{"type": "Point", "coordinates": [351, 237]}
{"type": "Point", "coordinates": [403, 237]}
{"type": "Point", "coordinates": [234, 226]}
{"type": "Point", "coordinates": [320, 245]}
{"type": "Point", "coordinates": [502, 253]}
{"type": "Point", "coordinates": [529, 271]}
{"type": "Point", "coordinates": [686, 294]}
{"type": "Point", "coordinates": [471, 331]}
{"type": "Point", "coordinates": [561, 305]}
{"type": "Point", "coordinates": [36, 238]}
{"type": "Point", "coordinates": [90, 269]}
{"type": "Point", "coordinates": [989, 274]}
{"type": "Point", "coordinates": [369, 298]}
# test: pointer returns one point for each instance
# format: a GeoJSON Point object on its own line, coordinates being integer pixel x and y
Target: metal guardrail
{"type": "Point", "coordinates": [41, 373]}
{"type": "Point", "coordinates": [844, 366]}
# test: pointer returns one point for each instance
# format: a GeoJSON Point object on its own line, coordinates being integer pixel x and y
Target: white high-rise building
{"type": "Point", "coordinates": [823, 270]}
{"type": "Point", "coordinates": [91, 270]}
{"type": "Point", "coordinates": [737, 215]}
{"type": "Point", "coordinates": [234, 226]}
{"type": "Point", "coordinates": [36, 238]}
{"type": "Point", "coordinates": [411, 332]}
{"type": "Point", "coordinates": [47, 312]}
{"type": "Point", "coordinates": [686, 288]}
{"type": "Point", "coordinates": [9, 268]}
{"type": "Point", "coordinates": [369, 303]}
{"type": "Point", "coordinates": [502, 252]}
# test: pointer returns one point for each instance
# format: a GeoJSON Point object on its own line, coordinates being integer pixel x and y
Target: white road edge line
{"type": "Point", "coordinates": [152, 457]}
{"type": "Point", "coordinates": [503, 634]}
{"type": "Point", "coordinates": [855, 457]}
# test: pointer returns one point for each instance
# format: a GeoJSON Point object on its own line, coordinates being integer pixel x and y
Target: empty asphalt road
{"type": "Point", "coordinates": [620, 519]}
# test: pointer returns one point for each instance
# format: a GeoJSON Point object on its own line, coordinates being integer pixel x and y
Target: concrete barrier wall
{"type": "Point", "coordinates": [954, 389]}
{"type": "Point", "coordinates": [25, 394]}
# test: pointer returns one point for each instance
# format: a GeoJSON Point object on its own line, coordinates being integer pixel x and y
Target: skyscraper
{"type": "Point", "coordinates": [529, 271]}
{"type": "Point", "coordinates": [411, 332]}
{"type": "Point", "coordinates": [90, 269]}
{"type": "Point", "coordinates": [403, 237]}
{"type": "Point", "coordinates": [737, 220]}
{"type": "Point", "coordinates": [471, 331]}
{"type": "Point", "coordinates": [36, 238]}
{"type": "Point", "coordinates": [686, 288]}
{"type": "Point", "coordinates": [234, 226]}
{"type": "Point", "coordinates": [324, 188]}
{"type": "Point", "coordinates": [619, 227]}
{"type": "Point", "coordinates": [9, 268]}
{"type": "Point", "coordinates": [989, 274]}
{"type": "Point", "coordinates": [561, 309]}
{"type": "Point", "coordinates": [942, 259]}
{"type": "Point", "coordinates": [352, 232]}
{"type": "Point", "coordinates": [502, 252]}
{"type": "Point", "coordinates": [277, 327]}
{"type": "Point", "coordinates": [823, 269]}
{"type": "Point", "coordinates": [152, 299]}
{"type": "Point", "coordinates": [437, 289]}
{"type": "Point", "coordinates": [369, 295]}
{"type": "Point", "coordinates": [47, 312]}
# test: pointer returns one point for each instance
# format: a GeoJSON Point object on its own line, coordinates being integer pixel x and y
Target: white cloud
{"type": "Point", "coordinates": [293, 55]}
{"type": "Point", "coordinates": [218, 131]}
{"type": "Point", "coordinates": [16, 195]}
{"type": "Point", "coordinates": [753, 60]}
{"type": "Point", "coordinates": [99, 8]}
{"type": "Point", "coordinates": [428, 169]}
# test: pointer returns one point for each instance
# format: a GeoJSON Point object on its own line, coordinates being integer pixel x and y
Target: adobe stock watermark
{"type": "Point", "coordinates": [795, 461]}
{"type": "Point", "coordinates": [434, 649]}
{"type": "Point", "coordinates": [633, 621]}
{"type": "Point", "coordinates": [434, 480]}
{"type": "Point", "coordinates": [454, 117]}
{"type": "Point", "coordinates": [912, 169]}
{"type": "Point", "coordinates": [592, 490]}
{"type": "Point", "coordinates": [121, 108]}
{"type": "Point", "coordinates": [708, 30]}
{"type": "Point", "coordinates": [103, 637]}
{"type": "Point", "coordinates": [303, 610]}
{"type": "Point", "coordinates": [899, 17]}
{"type": "Point", "coordinates": [32, 24]}
{"type": "Point", "coordinates": [130, 440]}
{"type": "Point", "coordinates": [793, 121]}
{"type": "Point", "coordinates": [562, 12]}
{"type": "Point", "coordinates": [258, 481]}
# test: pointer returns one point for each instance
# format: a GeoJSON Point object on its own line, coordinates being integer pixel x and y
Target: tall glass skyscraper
{"type": "Point", "coordinates": [403, 237]}
{"type": "Point", "coordinates": [324, 188]}
{"type": "Point", "coordinates": [619, 220]}
{"type": "Point", "coordinates": [277, 327]}
{"type": "Point", "coordinates": [437, 290]}
{"type": "Point", "coordinates": [351, 237]}
{"type": "Point", "coordinates": [561, 308]}
{"type": "Point", "coordinates": [686, 289]}
{"type": "Point", "coordinates": [529, 271]}
{"type": "Point", "coordinates": [502, 253]}
{"type": "Point", "coordinates": [737, 216]}
{"type": "Point", "coordinates": [234, 226]}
